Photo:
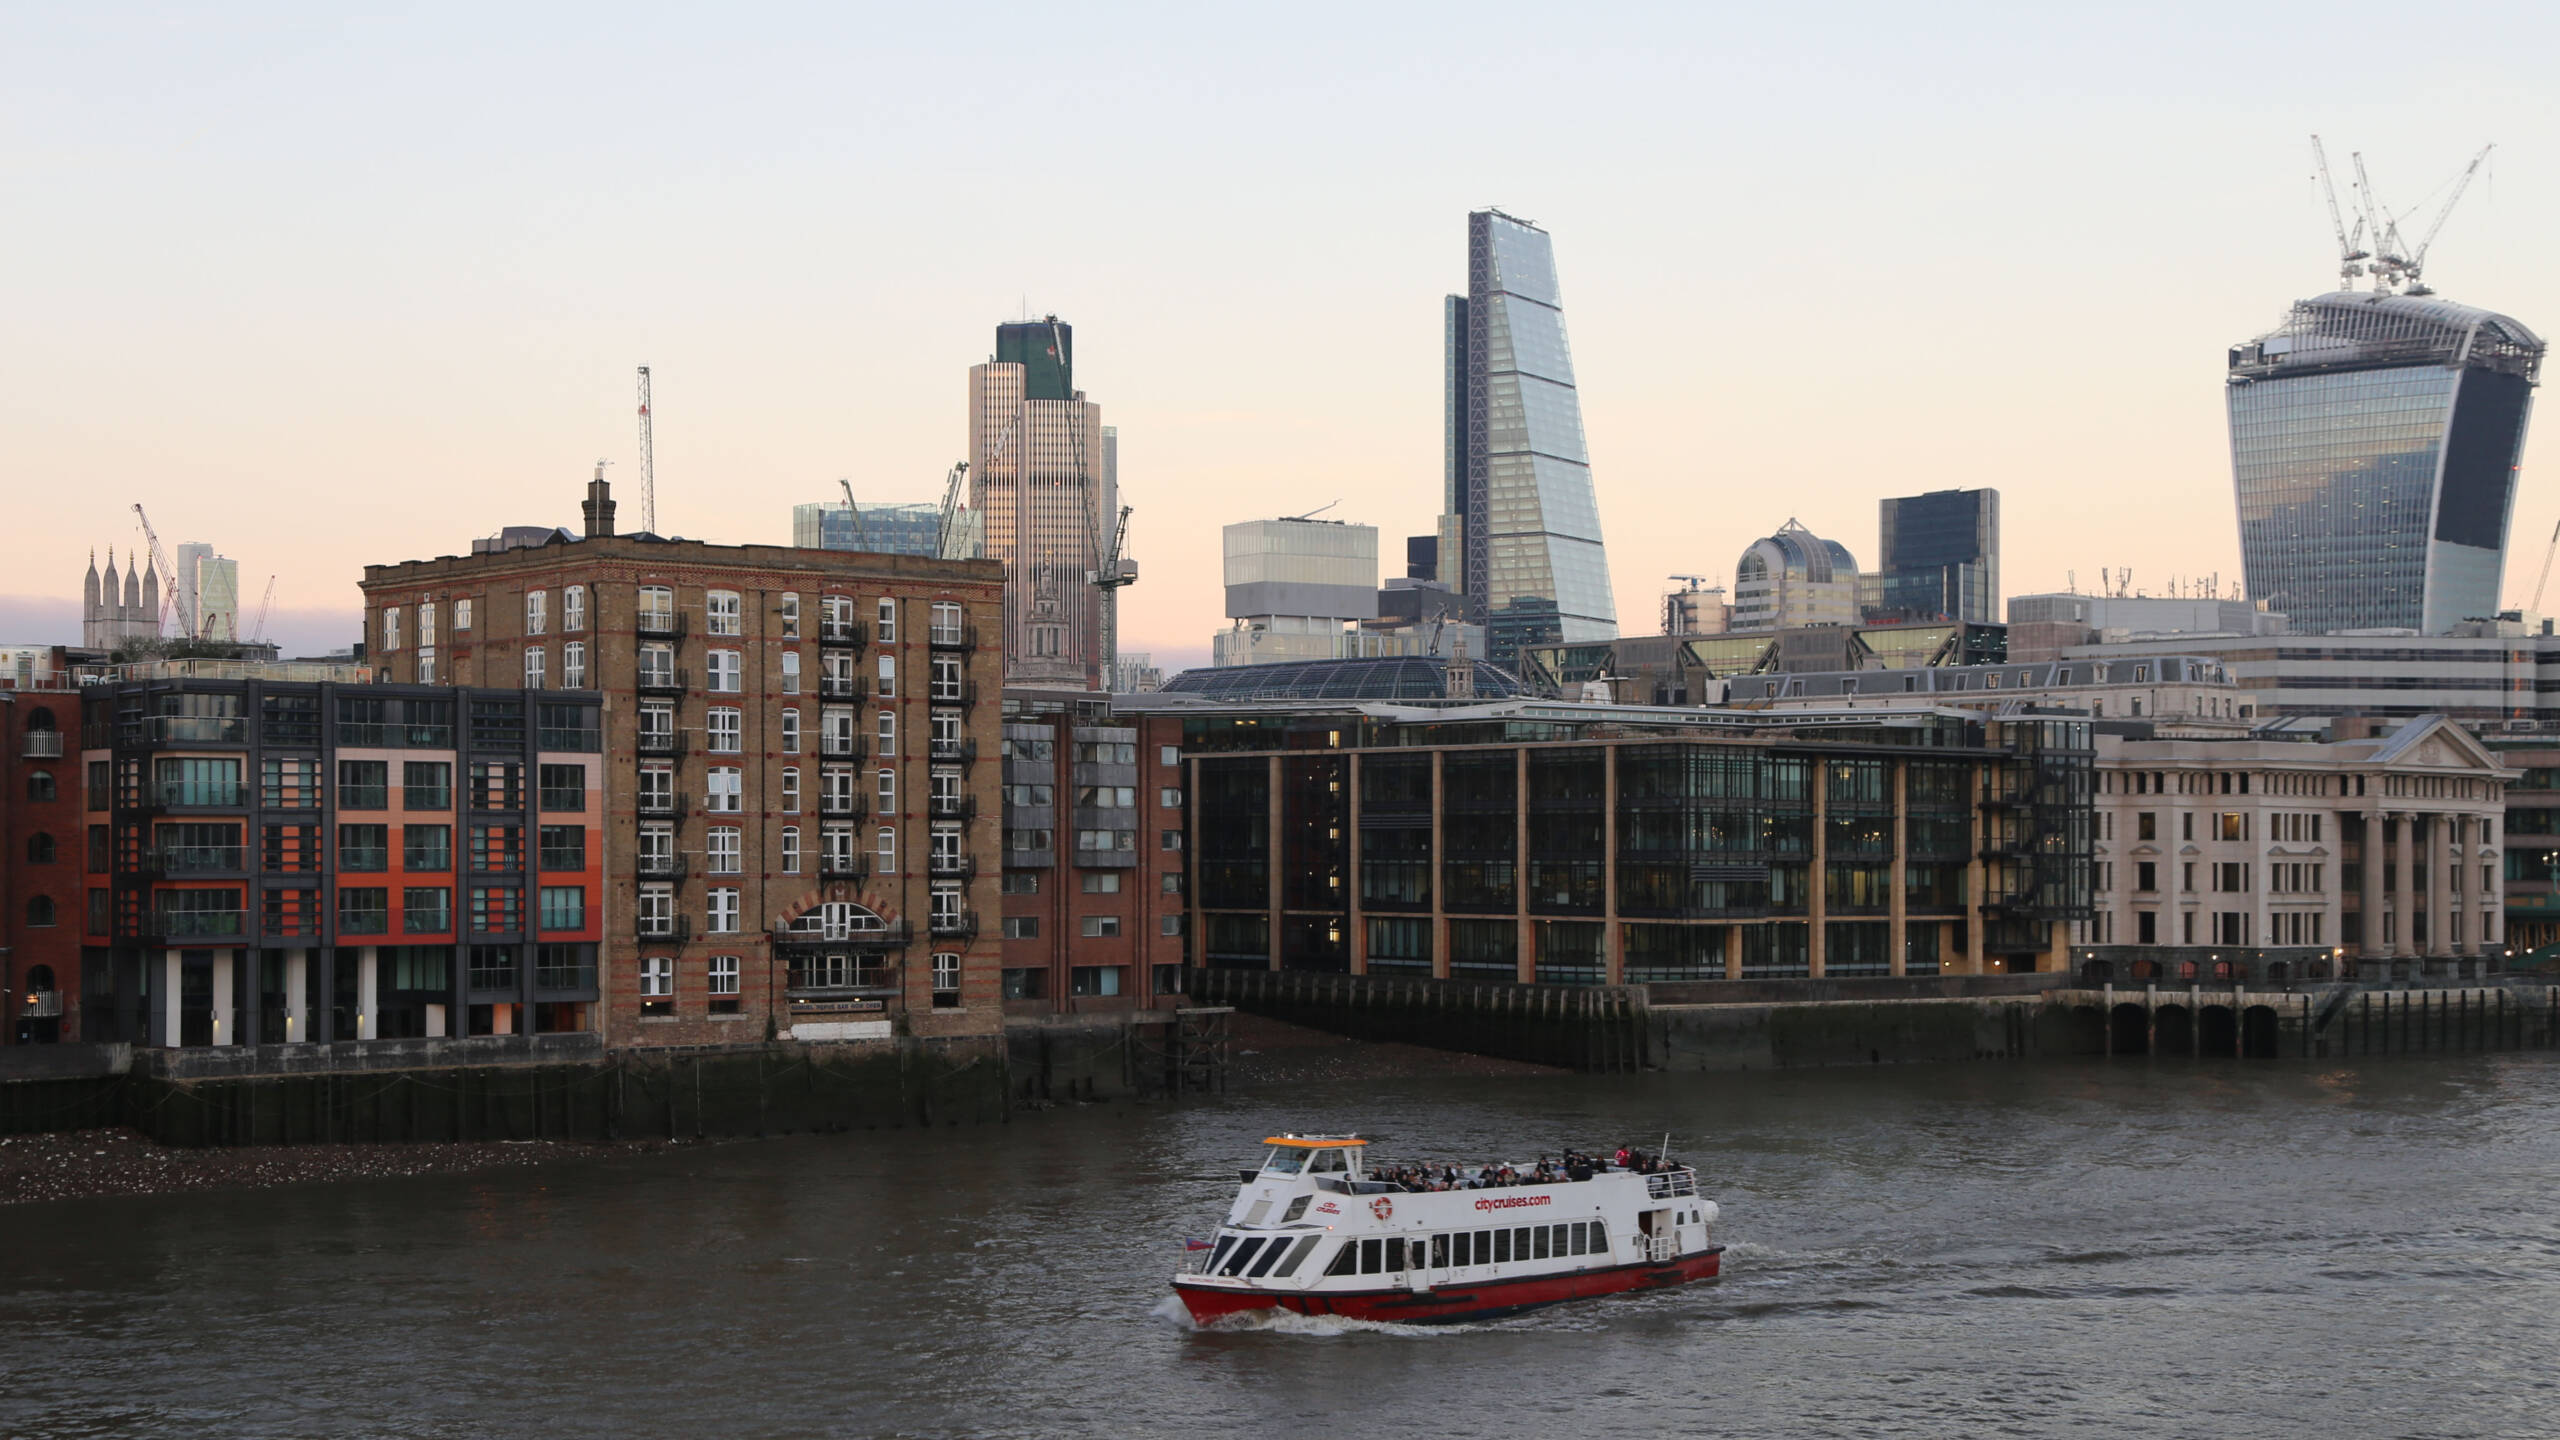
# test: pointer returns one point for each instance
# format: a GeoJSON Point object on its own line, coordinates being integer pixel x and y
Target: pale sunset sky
{"type": "Point", "coordinates": [327, 290]}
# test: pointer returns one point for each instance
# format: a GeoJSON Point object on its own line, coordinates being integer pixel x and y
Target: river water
{"type": "Point", "coordinates": [2165, 1248]}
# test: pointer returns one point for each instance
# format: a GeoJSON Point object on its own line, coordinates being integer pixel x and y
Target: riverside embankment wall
{"type": "Point", "coordinates": [567, 1087]}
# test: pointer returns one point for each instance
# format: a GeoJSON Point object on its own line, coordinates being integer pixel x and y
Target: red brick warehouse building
{"type": "Point", "coordinates": [799, 836]}
{"type": "Point", "coordinates": [41, 838]}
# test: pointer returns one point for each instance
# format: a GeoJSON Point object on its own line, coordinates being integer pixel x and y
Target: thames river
{"type": "Point", "coordinates": [2144, 1248]}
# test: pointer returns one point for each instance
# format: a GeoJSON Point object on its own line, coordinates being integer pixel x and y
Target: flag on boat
{"type": "Point", "coordinates": [1197, 1245]}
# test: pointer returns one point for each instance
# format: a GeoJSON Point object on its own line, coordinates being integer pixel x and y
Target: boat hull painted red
{"type": "Point", "coordinates": [1455, 1302]}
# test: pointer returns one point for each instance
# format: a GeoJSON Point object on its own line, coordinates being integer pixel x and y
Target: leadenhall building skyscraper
{"type": "Point", "coordinates": [2375, 438]}
{"type": "Point", "coordinates": [1520, 528]}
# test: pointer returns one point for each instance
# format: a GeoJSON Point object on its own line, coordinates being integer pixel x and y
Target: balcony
{"type": "Point", "coordinates": [196, 730]}
{"type": "Point", "coordinates": [838, 747]}
{"type": "Point", "coordinates": [364, 857]}
{"type": "Point", "coordinates": [40, 745]}
{"type": "Point", "coordinates": [661, 682]}
{"type": "Point", "coordinates": [661, 867]}
{"type": "Point", "coordinates": [840, 687]}
{"type": "Point", "coordinates": [844, 867]}
{"type": "Point", "coordinates": [43, 1005]}
{"type": "Point", "coordinates": [953, 807]}
{"type": "Point", "coordinates": [843, 634]}
{"type": "Point", "coordinates": [499, 976]}
{"type": "Point", "coordinates": [564, 977]}
{"type": "Point", "coordinates": [364, 922]}
{"type": "Point", "coordinates": [963, 750]}
{"type": "Point", "coordinates": [425, 920]}
{"type": "Point", "coordinates": [661, 807]}
{"type": "Point", "coordinates": [942, 692]}
{"type": "Point", "coordinates": [196, 860]}
{"type": "Point", "coordinates": [199, 795]}
{"type": "Point", "coordinates": [175, 923]}
{"type": "Point", "coordinates": [889, 936]}
{"type": "Point", "coordinates": [960, 925]}
{"type": "Point", "coordinates": [838, 978]}
{"type": "Point", "coordinates": [659, 624]}
{"type": "Point", "coordinates": [668, 743]}
{"type": "Point", "coordinates": [953, 867]}
{"type": "Point", "coordinates": [945, 637]}
{"type": "Point", "coordinates": [839, 807]}
{"type": "Point", "coordinates": [676, 928]}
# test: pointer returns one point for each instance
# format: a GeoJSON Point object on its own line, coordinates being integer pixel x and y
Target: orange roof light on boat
{"type": "Point", "coordinates": [1314, 1142]}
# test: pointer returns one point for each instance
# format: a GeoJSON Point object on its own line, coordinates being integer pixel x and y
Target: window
{"type": "Point", "coordinates": [1102, 882]}
{"type": "Point", "coordinates": [720, 612]}
{"type": "Point", "coordinates": [946, 679]}
{"type": "Point", "coordinates": [2146, 826]}
{"type": "Point", "coordinates": [563, 787]}
{"type": "Point", "coordinates": [1169, 798]}
{"type": "Point", "coordinates": [534, 660]}
{"type": "Point", "coordinates": [888, 730]}
{"type": "Point", "coordinates": [537, 611]}
{"type": "Point", "coordinates": [40, 849]}
{"type": "Point", "coordinates": [1169, 925]}
{"type": "Point", "coordinates": [1021, 882]}
{"type": "Point", "coordinates": [1173, 882]}
{"type": "Point", "coordinates": [722, 789]}
{"type": "Point", "coordinates": [426, 622]}
{"type": "Point", "coordinates": [721, 730]}
{"type": "Point", "coordinates": [888, 790]}
{"type": "Point", "coordinates": [573, 665]}
{"type": "Point", "coordinates": [364, 847]}
{"type": "Point", "coordinates": [364, 910]}
{"type": "Point", "coordinates": [657, 788]}
{"type": "Point", "coordinates": [945, 906]}
{"type": "Point", "coordinates": [725, 671]}
{"type": "Point", "coordinates": [790, 617]}
{"type": "Point", "coordinates": [657, 975]}
{"type": "Point", "coordinates": [724, 974]}
{"type": "Point", "coordinates": [888, 622]}
{"type": "Point", "coordinates": [1169, 840]}
{"type": "Point", "coordinates": [888, 848]}
{"type": "Point", "coordinates": [564, 907]}
{"type": "Point", "coordinates": [496, 909]}
{"type": "Point", "coordinates": [564, 847]}
{"type": "Point", "coordinates": [657, 610]}
{"type": "Point", "coordinates": [790, 730]}
{"type": "Point", "coordinates": [426, 911]}
{"type": "Point", "coordinates": [573, 609]}
{"type": "Point", "coordinates": [888, 677]}
{"type": "Point", "coordinates": [364, 784]}
{"type": "Point", "coordinates": [1022, 927]}
{"type": "Point", "coordinates": [461, 614]}
{"type": "Point", "coordinates": [1101, 926]}
{"type": "Point", "coordinates": [790, 790]}
{"type": "Point", "coordinates": [391, 627]}
{"type": "Point", "coordinates": [426, 847]}
{"type": "Point", "coordinates": [835, 731]}
{"type": "Point", "coordinates": [426, 664]}
{"type": "Point", "coordinates": [946, 622]}
{"type": "Point", "coordinates": [790, 672]}
{"type": "Point", "coordinates": [657, 668]}
{"type": "Point", "coordinates": [790, 849]}
{"type": "Point", "coordinates": [1096, 980]}
{"type": "Point", "coordinates": [946, 971]}
{"type": "Point", "coordinates": [1169, 755]}
{"type": "Point", "coordinates": [723, 855]}
{"type": "Point", "coordinates": [723, 914]}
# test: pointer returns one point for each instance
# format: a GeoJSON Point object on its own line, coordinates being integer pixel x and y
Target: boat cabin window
{"type": "Point", "coordinates": [1328, 1162]}
{"type": "Point", "coordinates": [1296, 1208]}
{"type": "Point", "coordinates": [1284, 1160]}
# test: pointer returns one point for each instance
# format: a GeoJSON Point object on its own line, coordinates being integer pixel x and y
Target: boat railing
{"type": "Point", "coordinates": [1664, 1184]}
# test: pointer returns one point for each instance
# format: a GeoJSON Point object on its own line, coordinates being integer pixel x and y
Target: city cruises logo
{"type": "Point", "coordinates": [1513, 1202]}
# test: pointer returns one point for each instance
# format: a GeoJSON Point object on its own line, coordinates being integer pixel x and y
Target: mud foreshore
{"type": "Point", "coordinates": [86, 1164]}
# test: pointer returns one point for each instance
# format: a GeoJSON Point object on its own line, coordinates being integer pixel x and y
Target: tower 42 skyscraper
{"type": "Point", "coordinates": [1521, 530]}
{"type": "Point", "coordinates": [1043, 472]}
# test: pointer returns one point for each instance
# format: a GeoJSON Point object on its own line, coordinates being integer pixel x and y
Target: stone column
{"type": "Point", "coordinates": [1897, 920]}
{"type": "Point", "coordinates": [1816, 900]}
{"type": "Point", "coordinates": [1355, 944]}
{"type": "Point", "coordinates": [172, 986]}
{"type": "Point", "coordinates": [1733, 952]}
{"type": "Point", "coordinates": [223, 1025]}
{"type": "Point", "coordinates": [297, 1006]}
{"type": "Point", "coordinates": [1613, 949]}
{"type": "Point", "coordinates": [2369, 903]}
{"type": "Point", "coordinates": [368, 1019]}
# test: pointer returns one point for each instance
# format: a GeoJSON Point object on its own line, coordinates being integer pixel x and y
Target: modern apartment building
{"type": "Point", "coordinates": [1094, 865]}
{"type": "Point", "coordinates": [798, 831]}
{"type": "Point", "coordinates": [41, 842]}
{"type": "Point", "coordinates": [2386, 851]}
{"type": "Point", "coordinates": [1297, 589]}
{"type": "Point", "coordinates": [908, 529]}
{"type": "Point", "coordinates": [1589, 844]}
{"type": "Point", "coordinates": [275, 857]}
{"type": "Point", "coordinates": [2375, 438]}
{"type": "Point", "coordinates": [1520, 528]}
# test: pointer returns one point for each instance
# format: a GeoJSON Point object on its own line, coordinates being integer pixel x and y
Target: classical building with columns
{"type": "Point", "coordinates": [2385, 853]}
{"type": "Point", "coordinates": [290, 853]}
{"type": "Point", "coordinates": [1580, 844]}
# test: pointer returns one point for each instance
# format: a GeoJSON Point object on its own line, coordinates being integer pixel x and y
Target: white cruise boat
{"type": "Point", "coordinates": [1313, 1231]}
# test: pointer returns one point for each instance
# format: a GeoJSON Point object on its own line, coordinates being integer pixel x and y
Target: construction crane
{"type": "Point", "coordinates": [2546, 570]}
{"type": "Point", "coordinates": [258, 631]}
{"type": "Point", "coordinates": [861, 536]}
{"type": "Point", "coordinates": [648, 461]}
{"type": "Point", "coordinates": [1310, 515]}
{"type": "Point", "coordinates": [1114, 572]}
{"type": "Point", "coordinates": [2350, 253]}
{"type": "Point", "coordinates": [168, 572]}
{"type": "Point", "coordinates": [946, 536]}
{"type": "Point", "coordinates": [2418, 257]}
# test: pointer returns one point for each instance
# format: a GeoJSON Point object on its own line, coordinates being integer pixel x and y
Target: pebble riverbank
{"type": "Point", "coordinates": [84, 1164]}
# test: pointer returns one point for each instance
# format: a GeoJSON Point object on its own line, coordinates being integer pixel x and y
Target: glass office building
{"type": "Point", "coordinates": [1521, 521]}
{"type": "Point", "coordinates": [1941, 557]}
{"type": "Point", "coordinates": [888, 529]}
{"type": "Point", "coordinates": [2374, 444]}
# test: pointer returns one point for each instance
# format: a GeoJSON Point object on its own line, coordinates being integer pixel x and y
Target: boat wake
{"type": "Point", "coordinates": [1288, 1322]}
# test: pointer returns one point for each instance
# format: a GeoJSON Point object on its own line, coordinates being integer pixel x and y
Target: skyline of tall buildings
{"type": "Point", "coordinates": [1519, 531]}
{"type": "Point", "coordinates": [2375, 438]}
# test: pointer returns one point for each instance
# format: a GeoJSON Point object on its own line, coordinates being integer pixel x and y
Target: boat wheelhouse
{"type": "Point", "coordinates": [1315, 1231]}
